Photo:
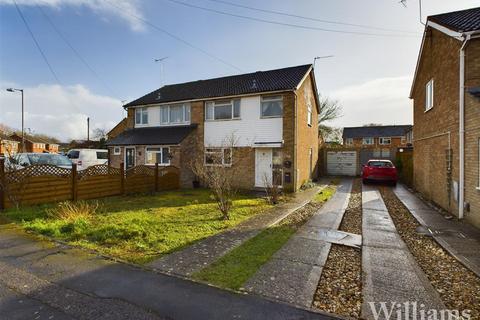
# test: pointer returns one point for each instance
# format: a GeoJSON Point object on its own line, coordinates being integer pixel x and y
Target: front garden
{"type": "Point", "coordinates": [137, 228]}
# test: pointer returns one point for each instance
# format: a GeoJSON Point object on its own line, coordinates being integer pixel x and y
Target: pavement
{"type": "Point", "coordinates": [459, 238]}
{"type": "Point", "coordinates": [44, 280]}
{"type": "Point", "coordinates": [389, 271]}
{"type": "Point", "coordinates": [202, 253]}
{"type": "Point", "coordinates": [293, 273]}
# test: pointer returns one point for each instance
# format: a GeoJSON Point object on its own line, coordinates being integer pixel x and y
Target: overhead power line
{"type": "Point", "coordinates": [309, 18]}
{"type": "Point", "coordinates": [292, 25]}
{"type": "Point", "coordinates": [37, 44]}
{"type": "Point", "coordinates": [173, 36]}
{"type": "Point", "coordinates": [79, 56]}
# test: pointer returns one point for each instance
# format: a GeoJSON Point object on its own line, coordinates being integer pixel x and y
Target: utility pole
{"type": "Point", "coordinates": [88, 128]}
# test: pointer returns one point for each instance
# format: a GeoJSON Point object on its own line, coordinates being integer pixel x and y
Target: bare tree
{"type": "Point", "coordinates": [329, 110]}
{"type": "Point", "coordinates": [99, 133]}
{"type": "Point", "coordinates": [218, 168]}
{"type": "Point", "coordinates": [272, 190]}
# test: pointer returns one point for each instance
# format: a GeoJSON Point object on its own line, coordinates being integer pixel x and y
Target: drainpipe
{"type": "Point", "coordinates": [461, 196]}
{"type": "Point", "coordinates": [295, 137]}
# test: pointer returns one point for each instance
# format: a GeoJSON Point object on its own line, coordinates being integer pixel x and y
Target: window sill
{"type": "Point", "coordinates": [219, 120]}
{"type": "Point", "coordinates": [270, 117]}
{"type": "Point", "coordinates": [160, 164]}
{"type": "Point", "coordinates": [427, 110]}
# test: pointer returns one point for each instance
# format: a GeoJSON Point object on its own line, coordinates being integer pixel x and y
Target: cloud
{"type": "Point", "coordinates": [127, 10]}
{"type": "Point", "coordinates": [59, 111]}
{"type": "Point", "coordinates": [383, 100]}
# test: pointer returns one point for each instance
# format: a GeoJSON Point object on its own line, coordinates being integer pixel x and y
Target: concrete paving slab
{"type": "Point", "coordinates": [102, 289]}
{"type": "Point", "coordinates": [390, 272]}
{"type": "Point", "coordinates": [293, 275]}
{"type": "Point", "coordinates": [459, 238]}
{"type": "Point", "coordinates": [202, 253]}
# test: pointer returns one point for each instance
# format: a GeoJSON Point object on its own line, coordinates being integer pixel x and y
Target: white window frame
{"type": "Point", "coordinates": [349, 141]}
{"type": "Point", "coordinates": [217, 150]}
{"type": "Point", "coordinates": [115, 152]}
{"type": "Point", "coordinates": [161, 163]}
{"type": "Point", "coordinates": [381, 141]}
{"type": "Point", "coordinates": [139, 120]}
{"type": "Point", "coordinates": [269, 99]}
{"type": "Point", "coordinates": [223, 103]}
{"type": "Point", "coordinates": [368, 144]}
{"type": "Point", "coordinates": [404, 140]}
{"type": "Point", "coordinates": [309, 114]}
{"type": "Point", "coordinates": [429, 94]}
{"type": "Point", "coordinates": [186, 114]}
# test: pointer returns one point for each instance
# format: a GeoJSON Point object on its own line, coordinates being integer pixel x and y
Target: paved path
{"type": "Point", "coordinates": [39, 280]}
{"type": "Point", "coordinates": [293, 273]}
{"type": "Point", "coordinates": [459, 238]}
{"type": "Point", "coordinates": [390, 272]}
{"type": "Point", "coordinates": [202, 253]}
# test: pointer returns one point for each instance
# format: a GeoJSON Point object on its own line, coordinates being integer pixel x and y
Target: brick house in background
{"type": "Point", "coordinates": [8, 146]}
{"type": "Point", "coordinates": [272, 115]}
{"type": "Point", "coordinates": [119, 128]}
{"type": "Point", "coordinates": [446, 102]}
{"type": "Point", "coordinates": [376, 136]}
{"type": "Point", "coordinates": [32, 144]}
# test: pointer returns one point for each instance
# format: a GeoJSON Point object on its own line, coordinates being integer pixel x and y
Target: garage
{"type": "Point", "coordinates": [342, 163]}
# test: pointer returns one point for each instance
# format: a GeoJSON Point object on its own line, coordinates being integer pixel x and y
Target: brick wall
{"type": "Point", "coordinates": [119, 128]}
{"type": "Point", "coordinates": [307, 136]}
{"type": "Point", "coordinates": [440, 61]}
{"type": "Point", "coordinates": [472, 132]}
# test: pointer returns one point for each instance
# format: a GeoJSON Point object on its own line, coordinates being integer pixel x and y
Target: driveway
{"type": "Point", "coordinates": [40, 280]}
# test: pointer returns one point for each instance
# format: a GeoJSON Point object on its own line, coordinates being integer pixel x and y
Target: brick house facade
{"type": "Point", "coordinates": [376, 136]}
{"type": "Point", "coordinates": [32, 144]}
{"type": "Point", "coordinates": [437, 105]}
{"type": "Point", "coordinates": [283, 146]}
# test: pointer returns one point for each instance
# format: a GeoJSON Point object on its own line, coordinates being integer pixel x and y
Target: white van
{"type": "Point", "coordinates": [85, 158]}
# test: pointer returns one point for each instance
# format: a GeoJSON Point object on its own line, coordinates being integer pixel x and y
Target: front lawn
{"type": "Point", "coordinates": [143, 227]}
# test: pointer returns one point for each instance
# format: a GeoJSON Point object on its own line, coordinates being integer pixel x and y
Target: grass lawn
{"type": "Point", "coordinates": [140, 228]}
{"type": "Point", "coordinates": [236, 267]}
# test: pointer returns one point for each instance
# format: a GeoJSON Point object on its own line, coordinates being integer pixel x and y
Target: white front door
{"type": "Point", "coordinates": [263, 166]}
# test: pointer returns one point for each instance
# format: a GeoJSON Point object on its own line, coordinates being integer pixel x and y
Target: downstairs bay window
{"type": "Point", "coordinates": [218, 156]}
{"type": "Point", "coordinates": [160, 155]}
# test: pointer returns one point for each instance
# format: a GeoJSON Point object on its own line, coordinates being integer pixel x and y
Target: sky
{"type": "Point", "coordinates": [101, 53]}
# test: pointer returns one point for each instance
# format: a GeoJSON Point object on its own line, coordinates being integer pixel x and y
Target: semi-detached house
{"type": "Point", "coordinates": [271, 115]}
{"type": "Point", "coordinates": [446, 103]}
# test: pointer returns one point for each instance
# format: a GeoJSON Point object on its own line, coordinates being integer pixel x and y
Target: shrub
{"type": "Point", "coordinates": [72, 211]}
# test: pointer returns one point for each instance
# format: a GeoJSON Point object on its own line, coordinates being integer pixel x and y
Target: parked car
{"type": "Point", "coordinates": [85, 158]}
{"type": "Point", "coordinates": [22, 160]}
{"type": "Point", "coordinates": [379, 170]}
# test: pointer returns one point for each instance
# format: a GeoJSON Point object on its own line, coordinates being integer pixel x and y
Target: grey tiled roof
{"type": "Point", "coordinates": [256, 82]}
{"type": "Point", "coordinates": [460, 21]}
{"type": "Point", "coordinates": [152, 136]}
{"type": "Point", "coordinates": [375, 132]}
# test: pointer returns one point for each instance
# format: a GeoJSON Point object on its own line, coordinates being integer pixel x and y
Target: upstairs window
{"type": "Point", "coordinates": [368, 140]}
{"type": "Point", "coordinates": [385, 140]}
{"type": "Point", "coordinates": [175, 114]}
{"type": "Point", "coordinates": [141, 116]}
{"type": "Point", "coordinates": [349, 141]}
{"type": "Point", "coordinates": [272, 107]}
{"type": "Point", "coordinates": [222, 110]}
{"type": "Point", "coordinates": [309, 114]}
{"type": "Point", "coordinates": [429, 95]}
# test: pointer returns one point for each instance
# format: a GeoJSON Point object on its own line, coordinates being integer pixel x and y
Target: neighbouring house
{"type": "Point", "coordinates": [119, 128]}
{"type": "Point", "coordinates": [8, 146]}
{"type": "Point", "coordinates": [271, 114]}
{"type": "Point", "coordinates": [52, 146]}
{"type": "Point", "coordinates": [32, 143]}
{"type": "Point", "coordinates": [446, 103]}
{"type": "Point", "coordinates": [376, 136]}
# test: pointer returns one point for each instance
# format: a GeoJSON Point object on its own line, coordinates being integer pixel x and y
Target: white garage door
{"type": "Point", "coordinates": [342, 163]}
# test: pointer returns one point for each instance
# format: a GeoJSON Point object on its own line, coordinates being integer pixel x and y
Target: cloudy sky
{"type": "Point", "coordinates": [101, 52]}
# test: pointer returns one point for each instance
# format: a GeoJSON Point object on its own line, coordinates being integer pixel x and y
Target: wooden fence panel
{"type": "Point", "coordinates": [98, 181]}
{"type": "Point", "coordinates": [140, 179]}
{"type": "Point", "coordinates": [168, 178]}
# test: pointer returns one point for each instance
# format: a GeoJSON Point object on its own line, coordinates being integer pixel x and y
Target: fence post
{"type": "Point", "coordinates": [74, 182]}
{"type": "Point", "coordinates": [156, 176]}
{"type": "Point", "coordinates": [122, 178]}
{"type": "Point", "coordinates": [2, 185]}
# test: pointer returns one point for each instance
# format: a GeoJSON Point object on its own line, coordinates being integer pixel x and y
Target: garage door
{"type": "Point", "coordinates": [342, 163]}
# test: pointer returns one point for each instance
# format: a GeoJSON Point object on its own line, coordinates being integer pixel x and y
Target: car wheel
{"type": "Point", "coordinates": [394, 183]}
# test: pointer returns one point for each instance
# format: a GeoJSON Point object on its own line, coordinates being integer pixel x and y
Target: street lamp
{"type": "Point", "coordinates": [23, 117]}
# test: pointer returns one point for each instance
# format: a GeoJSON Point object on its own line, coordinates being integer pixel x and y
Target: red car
{"type": "Point", "coordinates": [379, 170]}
